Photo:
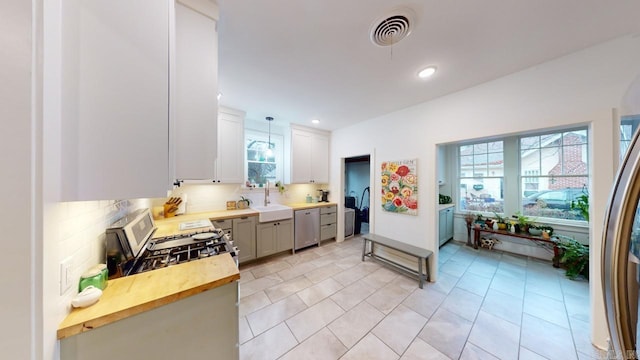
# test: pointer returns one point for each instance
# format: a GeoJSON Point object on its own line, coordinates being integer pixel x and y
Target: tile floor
{"type": "Point", "coordinates": [325, 303]}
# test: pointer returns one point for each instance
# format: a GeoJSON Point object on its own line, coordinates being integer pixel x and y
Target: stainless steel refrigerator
{"type": "Point", "coordinates": [621, 256]}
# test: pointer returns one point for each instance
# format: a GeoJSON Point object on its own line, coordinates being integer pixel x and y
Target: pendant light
{"type": "Point", "coordinates": [269, 151]}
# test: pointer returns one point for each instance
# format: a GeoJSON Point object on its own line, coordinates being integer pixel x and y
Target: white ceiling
{"type": "Point", "coordinates": [301, 59]}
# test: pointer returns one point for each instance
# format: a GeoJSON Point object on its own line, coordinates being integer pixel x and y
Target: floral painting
{"type": "Point", "coordinates": [400, 186]}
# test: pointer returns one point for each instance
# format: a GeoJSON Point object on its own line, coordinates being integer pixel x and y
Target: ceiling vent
{"type": "Point", "coordinates": [389, 29]}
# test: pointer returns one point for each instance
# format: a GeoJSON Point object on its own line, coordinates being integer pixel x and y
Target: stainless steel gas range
{"type": "Point", "coordinates": [131, 248]}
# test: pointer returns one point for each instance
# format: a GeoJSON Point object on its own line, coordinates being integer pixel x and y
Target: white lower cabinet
{"type": "Point", "coordinates": [274, 237]}
{"type": "Point", "coordinates": [244, 237]}
{"type": "Point", "coordinates": [328, 222]}
{"type": "Point", "coordinates": [445, 225]}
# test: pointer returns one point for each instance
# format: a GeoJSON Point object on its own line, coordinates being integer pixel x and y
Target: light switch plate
{"type": "Point", "coordinates": [65, 274]}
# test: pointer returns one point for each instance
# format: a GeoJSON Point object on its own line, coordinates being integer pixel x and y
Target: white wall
{"type": "Point", "coordinates": [581, 88]}
{"type": "Point", "coordinates": [20, 313]}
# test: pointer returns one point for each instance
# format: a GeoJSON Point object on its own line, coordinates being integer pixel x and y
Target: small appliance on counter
{"type": "Point", "coordinates": [131, 249]}
{"type": "Point", "coordinates": [324, 195]}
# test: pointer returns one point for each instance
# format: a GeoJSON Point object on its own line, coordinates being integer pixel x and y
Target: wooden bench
{"type": "Point", "coordinates": [422, 255]}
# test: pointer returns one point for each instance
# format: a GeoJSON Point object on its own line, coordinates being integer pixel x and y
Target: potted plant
{"type": "Point", "coordinates": [581, 205]}
{"type": "Point", "coordinates": [502, 222]}
{"type": "Point", "coordinates": [523, 222]}
{"type": "Point", "coordinates": [243, 203]}
{"type": "Point", "coordinates": [574, 256]}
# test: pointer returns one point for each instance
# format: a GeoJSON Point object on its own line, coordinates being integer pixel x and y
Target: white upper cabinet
{"type": "Point", "coordinates": [309, 156]}
{"type": "Point", "coordinates": [194, 101]}
{"type": "Point", "coordinates": [114, 99]}
{"type": "Point", "coordinates": [230, 162]}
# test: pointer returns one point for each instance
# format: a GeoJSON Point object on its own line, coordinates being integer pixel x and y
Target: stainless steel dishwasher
{"type": "Point", "coordinates": [307, 228]}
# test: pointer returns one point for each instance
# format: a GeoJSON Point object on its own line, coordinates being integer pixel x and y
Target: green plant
{"type": "Point", "coordinates": [574, 256]}
{"type": "Point", "coordinates": [246, 200]}
{"type": "Point", "coordinates": [522, 219]}
{"type": "Point", "coordinates": [581, 205]}
{"type": "Point", "coordinates": [499, 218]}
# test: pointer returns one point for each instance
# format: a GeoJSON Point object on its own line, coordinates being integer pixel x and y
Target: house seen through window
{"type": "Point", "coordinates": [545, 172]}
{"type": "Point", "coordinates": [554, 171]}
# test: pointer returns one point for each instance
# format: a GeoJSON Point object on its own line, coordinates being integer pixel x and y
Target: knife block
{"type": "Point", "coordinates": [168, 214]}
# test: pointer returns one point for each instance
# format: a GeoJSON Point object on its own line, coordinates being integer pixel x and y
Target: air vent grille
{"type": "Point", "coordinates": [391, 30]}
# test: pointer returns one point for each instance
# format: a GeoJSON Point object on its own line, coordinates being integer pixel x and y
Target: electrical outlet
{"type": "Point", "coordinates": [65, 275]}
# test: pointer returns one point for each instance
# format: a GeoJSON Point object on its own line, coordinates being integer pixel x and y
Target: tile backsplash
{"type": "Point", "coordinates": [79, 232]}
{"type": "Point", "coordinates": [201, 197]}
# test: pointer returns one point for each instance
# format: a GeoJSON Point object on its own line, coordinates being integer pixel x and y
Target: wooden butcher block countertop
{"type": "Point", "coordinates": [171, 226]}
{"type": "Point", "coordinates": [131, 295]}
{"type": "Point", "coordinates": [303, 206]}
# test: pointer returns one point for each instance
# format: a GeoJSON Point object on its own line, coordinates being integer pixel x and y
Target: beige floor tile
{"type": "Point", "coordinates": [424, 301]}
{"type": "Point", "coordinates": [323, 345]}
{"type": "Point", "coordinates": [347, 262]}
{"type": "Point", "coordinates": [320, 291]}
{"type": "Point", "coordinates": [399, 328]}
{"type": "Point", "coordinates": [253, 302]}
{"type": "Point", "coordinates": [420, 350]}
{"type": "Point", "coordinates": [321, 273]}
{"type": "Point", "coordinates": [503, 305]}
{"type": "Point", "coordinates": [508, 285]}
{"type": "Point", "coordinates": [287, 288]}
{"type": "Point", "coordinates": [526, 354]}
{"type": "Point", "coordinates": [245, 276]}
{"type": "Point", "coordinates": [269, 316]}
{"type": "Point", "coordinates": [446, 332]}
{"type": "Point", "coordinates": [302, 257]}
{"type": "Point", "coordinates": [462, 303]}
{"type": "Point", "coordinates": [388, 297]}
{"type": "Point", "coordinates": [380, 277]}
{"type": "Point", "coordinates": [546, 308]}
{"type": "Point", "coordinates": [495, 336]}
{"type": "Point", "coordinates": [445, 283]}
{"type": "Point", "coordinates": [296, 271]}
{"type": "Point", "coordinates": [269, 268]}
{"type": "Point", "coordinates": [547, 339]}
{"type": "Point", "coordinates": [352, 295]}
{"type": "Point", "coordinates": [356, 323]}
{"type": "Point", "coordinates": [370, 348]}
{"type": "Point", "coordinates": [270, 345]}
{"type": "Point", "coordinates": [325, 260]}
{"type": "Point", "coordinates": [256, 285]}
{"type": "Point", "coordinates": [483, 268]}
{"type": "Point", "coordinates": [309, 321]}
{"type": "Point", "coordinates": [454, 267]}
{"type": "Point", "coordinates": [472, 352]}
{"type": "Point", "coordinates": [474, 283]}
{"type": "Point", "coordinates": [459, 317]}
{"type": "Point", "coordinates": [244, 330]}
{"type": "Point", "coordinates": [354, 274]}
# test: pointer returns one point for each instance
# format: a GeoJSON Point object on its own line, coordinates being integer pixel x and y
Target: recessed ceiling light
{"type": "Point", "coordinates": [427, 72]}
{"type": "Point", "coordinates": [315, 121]}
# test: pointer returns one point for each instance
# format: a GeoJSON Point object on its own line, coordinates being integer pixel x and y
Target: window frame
{"type": "Point", "coordinates": [277, 141]}
{"type": "Point", "coordinates": [562, 147]}
{"type": "Point", "coordinates": [476, 176]}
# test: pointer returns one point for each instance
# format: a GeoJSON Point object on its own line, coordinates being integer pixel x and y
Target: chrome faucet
{"type": "Point", "coordinates": [266, 194]}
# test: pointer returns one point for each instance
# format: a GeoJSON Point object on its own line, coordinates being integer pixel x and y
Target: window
{"type": "Point", "coordinates": [554, 170]}
{"type": "Point", "coordinates": [481, 173]}
{"type": "Point", "coordinates": [628, 127]}
{"type": "Point", "coordinates": [262, 165]}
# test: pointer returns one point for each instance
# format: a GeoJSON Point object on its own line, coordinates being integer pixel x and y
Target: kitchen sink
{"type": "Point", "coordinates": [273, 212]}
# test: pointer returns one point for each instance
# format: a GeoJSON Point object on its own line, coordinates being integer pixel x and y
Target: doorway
{"type": "Point", "coordinates": [357, 180]}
